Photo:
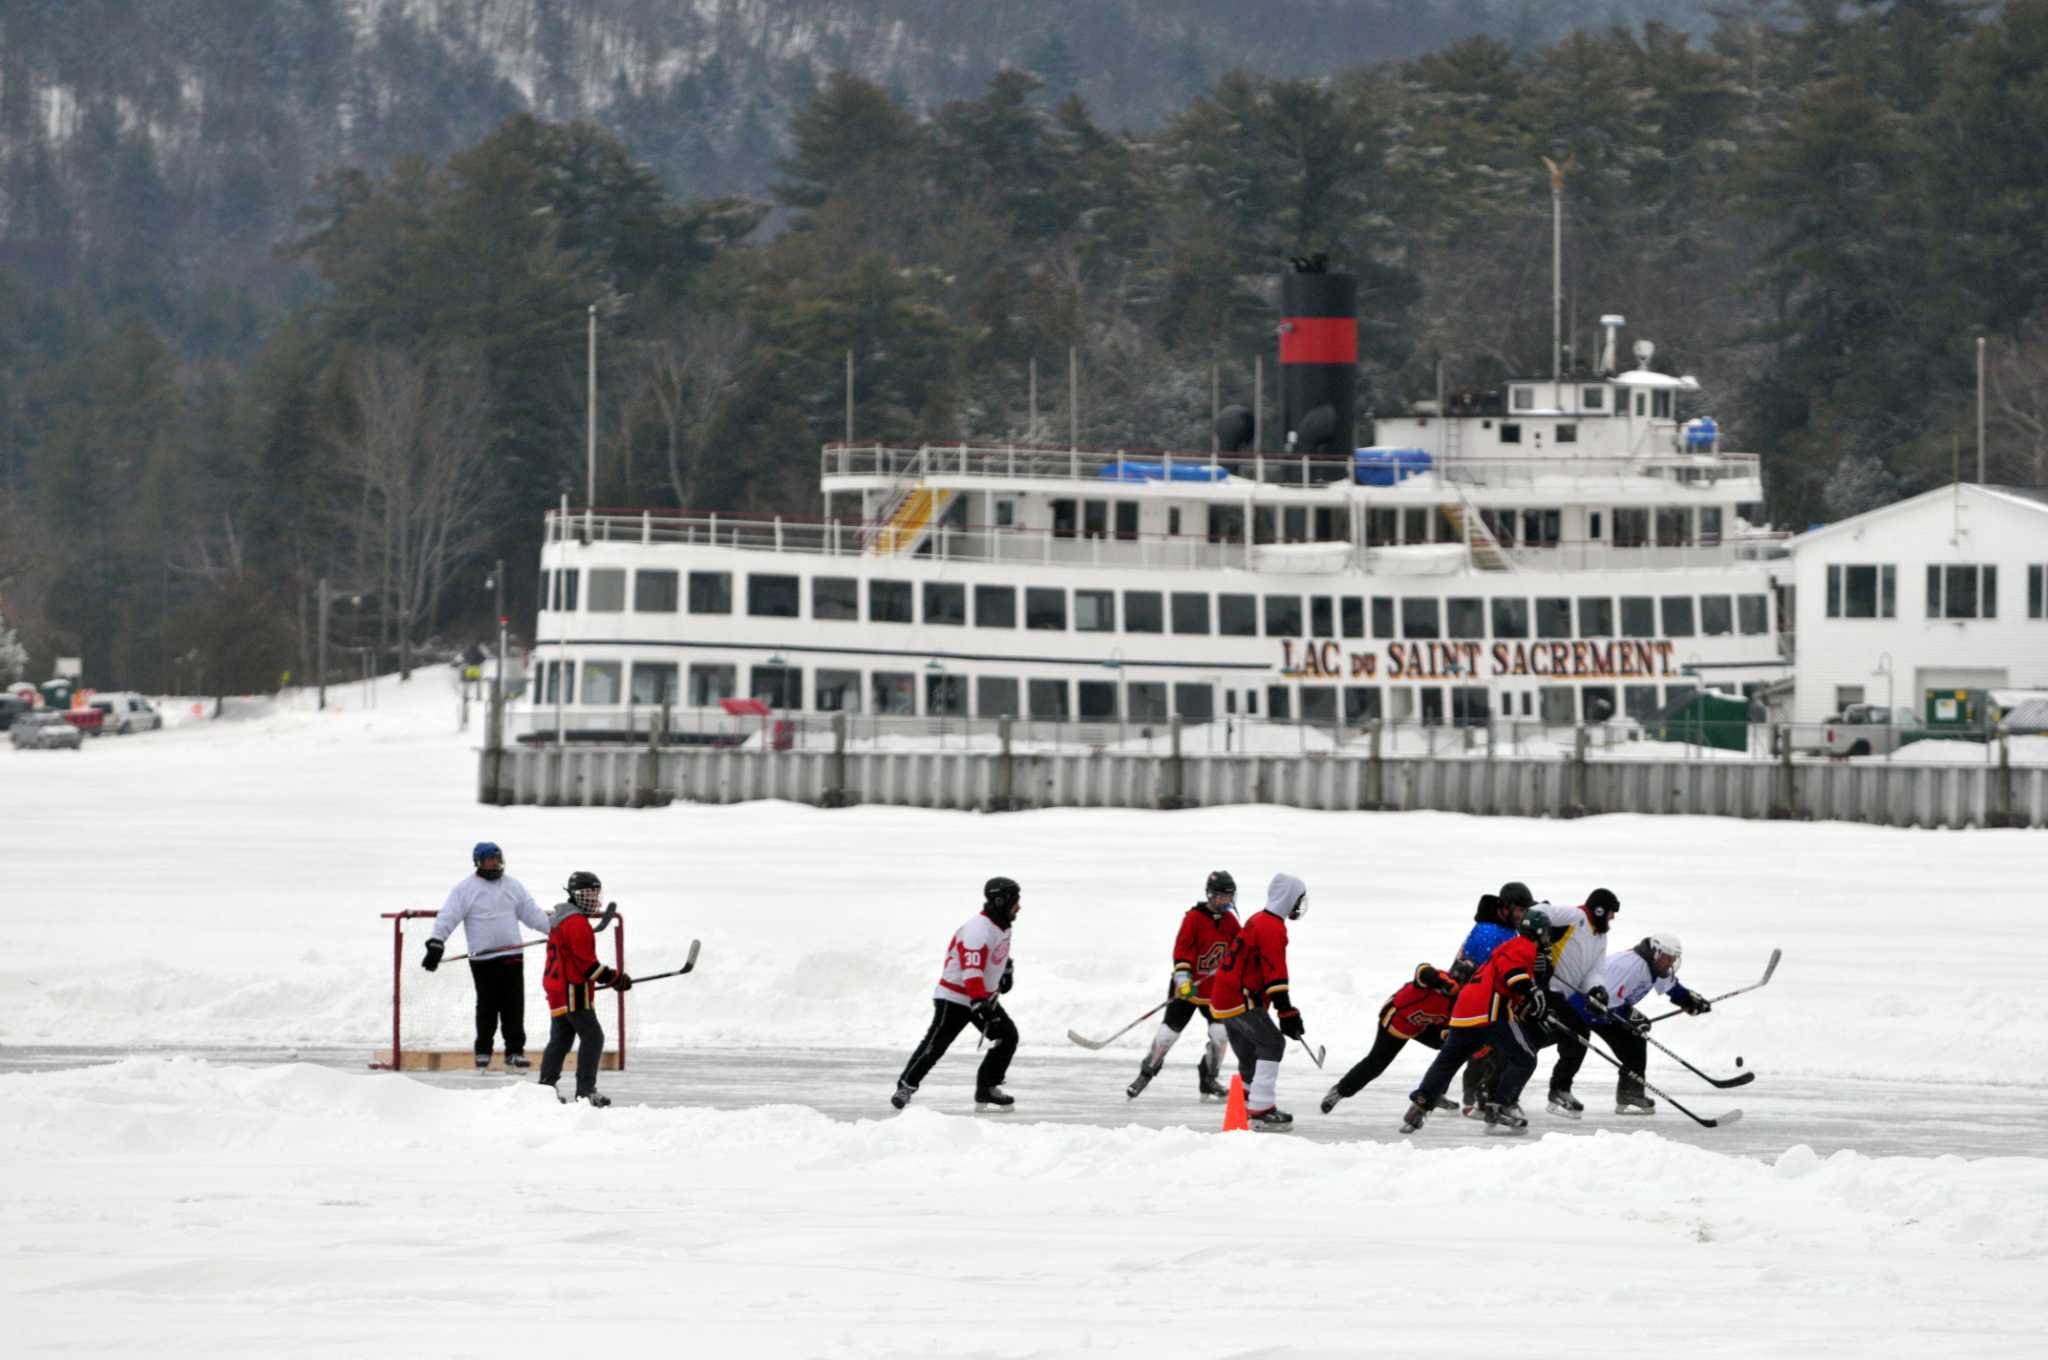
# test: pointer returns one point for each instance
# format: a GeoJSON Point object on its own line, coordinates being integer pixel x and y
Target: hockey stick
{"type": "Point", "coordinates": [597, 927]}
{"type": "Point", "coordinates": [1088, 1043]}
{"type": "Point", "coordinates": [1714, 1123]}
{"type": "Point", "coordinates": [1722, 1083]}
{"type": "Point", "coordinates": [688, 964]}
{"type": "Point", "coordinates": [1315, 1055]}
{"type": "Point", "coordinates": [1769, 968]}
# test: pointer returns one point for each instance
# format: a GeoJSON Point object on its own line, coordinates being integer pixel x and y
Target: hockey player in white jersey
{"type": "Point", "coordinates": [977, 972]}
{"type": "Point", "coordinates": [1609, 1005]}
{"type": "Point", "coordinates": [490, 907]}
{"type": "Point", "coordinates": [1576, 957]}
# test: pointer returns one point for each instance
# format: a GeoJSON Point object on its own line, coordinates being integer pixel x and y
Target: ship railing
{"type": "Point", "coordinates": [1114, 466]}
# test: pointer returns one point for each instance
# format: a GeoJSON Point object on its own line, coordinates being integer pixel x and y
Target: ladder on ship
{"type": "Point", "coordinates": [1477, 536]}
{"type": "Point", "coordinates": [909, 520]}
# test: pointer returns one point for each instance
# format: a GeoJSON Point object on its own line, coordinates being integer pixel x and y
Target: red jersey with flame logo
{"type": "Point", "coordinates": [1201, 945]}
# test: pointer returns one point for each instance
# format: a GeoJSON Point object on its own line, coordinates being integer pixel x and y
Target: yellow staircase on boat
{"type": "Point", "coordinates": [1486, 549]}
{"type": "Point", "coordinates": [906, 525]}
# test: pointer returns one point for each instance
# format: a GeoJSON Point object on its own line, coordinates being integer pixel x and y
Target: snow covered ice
{"type": "Point", "coordinates": [193, 905]}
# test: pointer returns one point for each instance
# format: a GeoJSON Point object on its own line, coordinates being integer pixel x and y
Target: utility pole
{"type": "Point", "coordinates": [590, 423]}
{"type": "Point", "coordinates": [498, 682]}
{"type": "Point", "coordinates": [849, 396]}
{"type": "Point", "coordinates": [322, 646]}
{"type": "Point", "coordinates": [1980, 415]}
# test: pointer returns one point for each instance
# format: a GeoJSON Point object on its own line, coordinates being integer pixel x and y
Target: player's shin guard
{"type": "Point", "coordinates": [1162, 1044]}
{"type": "Point", "coordinates": [1265, 1087]}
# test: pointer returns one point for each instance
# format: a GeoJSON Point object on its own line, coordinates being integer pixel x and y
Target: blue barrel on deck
{"type": "Point", "coordinates": [1701, 434]}
{"type": "Point", "coordinates": [1384, 466]}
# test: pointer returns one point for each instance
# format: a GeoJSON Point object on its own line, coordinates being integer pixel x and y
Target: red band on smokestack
{"type": "Point", "coordinates": [1319, 340]}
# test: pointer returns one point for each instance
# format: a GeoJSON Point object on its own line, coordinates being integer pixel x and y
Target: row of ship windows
{"type": "Point", "coordinates": [1186, 613]}
{"type": "Point", "coordinates": [651, 684]}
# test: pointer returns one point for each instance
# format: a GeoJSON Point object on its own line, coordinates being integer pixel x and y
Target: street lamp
{"type": "Point", "coordinates": [1884, 668]}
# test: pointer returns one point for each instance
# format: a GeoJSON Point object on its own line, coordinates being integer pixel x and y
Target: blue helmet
{"type": "Point", "coordinates": [484, 850]}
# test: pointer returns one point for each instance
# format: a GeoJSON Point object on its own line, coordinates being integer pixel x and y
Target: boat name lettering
{"type": "Point", "coordinates": [1631, 658]}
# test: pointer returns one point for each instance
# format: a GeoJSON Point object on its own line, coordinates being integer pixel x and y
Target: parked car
{"type": "Point", "coordinates": [1870, 730]}
{"type": "Point", "coordinates": [45, 732]}
{"type": "Point", "coordinates": [11, 707]}
{"type": "Point", "coordinates": [126, 713]}
{"type": "Point", "coordinates": [87, 720]}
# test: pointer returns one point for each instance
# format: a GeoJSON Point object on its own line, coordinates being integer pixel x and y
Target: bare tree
{"type": "Point", "coordinates": [2017, 402]}
{"type": "Point", "coordinates": [690, 373]}
{"type": "Point", "coordinates": [417, 453]}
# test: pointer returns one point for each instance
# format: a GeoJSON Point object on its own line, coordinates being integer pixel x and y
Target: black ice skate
{"type": "Point", "coordinates": [991, 1100]}
{"type": "Point", "coordinates": [1474, 1097]}
{"type": "Point", "coordinates": [1446, 1103]}
{"type": "Point", "coordinates": [1330, 1099]}
{"type": "Point", "coordinates": [560, 1099]}
{"type": "Point", "coordinates": [1275, 1120]}
{"type": "Point", "coordinates": [597, 1100]}
{"type": "Point", "coordinates": [483, 1062]}
{"type": "Point", "coordinates": [1211, 1088]}
{"type": "Point", "coordinates": [904, 1091]}
{"type": "Point", "coordinates": [1146, 1071]}
{"type": "Point", "coordinates": [516, 1062]}
{"type": "Point", "coordinates": [1507, 1119]}
{"type": "Point", "coordinates": [1634, 1102]}
{"type": "Point", "coordinates": [1566, 1105]}
{"type": "Point", "coordinates": [1418, 1110]}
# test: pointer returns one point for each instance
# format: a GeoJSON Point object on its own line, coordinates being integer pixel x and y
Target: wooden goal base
{"type": "Point", "coordinates": [457, 1060]}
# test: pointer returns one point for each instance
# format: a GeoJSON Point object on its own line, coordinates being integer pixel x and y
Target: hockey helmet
{"type": "Point", "coordinates": [1602, 906]}
{"type": "Point", "coordinates": [1657, 946]}
{"type": "Point", "coordinates": [1220, 884]}
{"type": "Point", "coordinates": [999, 899]}
{"type": "Point", "coordinates": [586, 892]}
{"type": "Point", "coordinates": [487, 850]}
{"type": "Point", "coordinates": [1535, 924]}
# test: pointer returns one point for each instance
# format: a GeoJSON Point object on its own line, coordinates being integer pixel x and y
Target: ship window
{"type": "Point", "coordinates": [547, 586]}
{"type": "Point", "coordinates": [1319, 703]}
{"type": "Point", "coordinates": [1276, 703]}
{"type": "Point", "coordinates": [1631, 528]}
{"type": "Point", "coordinates": [945, 602]}
{"type": "Point", "coordinates": [1660, 405]}
{"type": "Point", "coordinates": [1466, 618]}
{"type": "Point", "coordinates": [1510, 432]}
{"type": "Point", "coordinates": [1678, 616]}
{"type": "Point", "coordinates": [1382, 527]}
{"type": "Point", "coordinates": [995, 606]}
{"type": "Point", "coordinates": [1511, 618]}
{"type": "Point", "coordinates": [654, 592]}
{"type": "Point", "coordinates": [1194, 703]}
{"type": "Point", "coordinates": [889, 602]}
{"type": "Point", "coordinates": [1045, 608]}
{"type": "Point", "coordinates": [1641, 404]}
{"type": "Point", "coordinates": [710, 592]}
{"type": "Point", "coordinates": [1596, 617]}
{"type": "Point", "coordinates": [995, 696]}
{"type": "Point", "coordinates": [1567, 433]}
{"type": "Point", "coordinates": [1329, 528]}
{"type": "Point", "coordinates": [1190, 612]}
{"type": "Point", "coordinates": [1554, 617]}
{"type": "Point", "coordinates": [1094, 519]}
{"type": "Point", "coordinates": [1354, 616]}
{"type": "Point", "coordinates": [945, 696]}
{"type": "Point", "coordinates": [1262, 524]}
{"type": "Point", "coordinates": [1596, 703]}
{"type": "Point", "coordinates": [1593, 398]}
{"type": "Point", "coordinates": [1674, 695]}
{"type": "Point", "coordinates": [1541, 528]}
{"type": "Point", "coordinates": [1524, 398]}
{"type": "Point", "coordinates": [1237, 615]}
{"type": "Point", "coordinates": [551, 671]}
{"type": "Point", "coordinates": [1471, 706]}
{"type": "Point", "coordinates": [772, 596]}
{"type": "Point", "coordinates": [1753, 612]}
{"type": "Point", "coordinates": [1283, 616]}
{"type": "Point", "coordinates": [1638, 616]}
{"type": "Point", "coordinates": [1063, 519]}
{"type": "Point", "coordinates": [655, 682]}
{"type": "Point", "coordinates": [835, 597]}
{"type": "Point", "coordinates": [836, 691]}
{"type": "Point", "coordinates": [1361, 703]}
{"type": "Point", "coordinates": [1127, 520]}
{"type": "Point", "coordinates": [1593, 526]}
{"type": "Point", "coordinates": [1382, 616]}
{"type": "Point", "coordinates": [1674, 526]}
{"type": "Point", "coordinates": [1144, 611]}
{"type": "Point", "coordinates": [1095, 611]}
{"type": "Point", "coordinates": [777, 686]}
{"type": "Point", "coordinates": [1145, 701]}
{"type": "Point", "coordinates": [1049, 699]}
{"type": "Point", "coordinates": [1294, 524]}
{"type": "Point", "coordinates": [1006, 512]}
{"type": "Point", "coordinates": [1172, 520]}
{"type": "Point", "coordinates": [710, 683]}
{"type": "Point", "coordinates": [1226, 524]}
{"type": "Point", "coordinates": [1432, 706]}
{"type": "Point", "coordinates": [1098, 699]}
{"type": "Point", "coordinates": [1710, 524]}
{"type": "Point", "coordinates": [895, 693]}
{"type": "Point", "coordinates": [1717, 616]}
{"type": "Point", "coordinates": [602, 682]}
{"type": "Point", "coordinates": [1557, 705]}
{"type": "Point", "coordinates": [1251, 703]}
{"type": "Point", "coordinates": [1640, 702]}
{"type": "Point", "coordinates": [607, 592]}
{"type": "Point", "coordinates": [1322, 616]}
{"type": "Point", "coordinates": [1419, 618]}
{"type": "Point", "coordinates": [1415, 526]}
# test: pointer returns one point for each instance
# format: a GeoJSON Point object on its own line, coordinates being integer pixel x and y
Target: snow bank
{"type": "Point", "coordinates": [169, 1202]}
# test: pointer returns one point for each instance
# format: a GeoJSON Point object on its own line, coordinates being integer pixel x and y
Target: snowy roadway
{"type": "Point", "coordinates": [1876, 1118]}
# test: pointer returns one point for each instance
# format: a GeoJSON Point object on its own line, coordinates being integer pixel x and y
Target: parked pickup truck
{"type": "Point", "coordinates": [1870, 730]}
{"type": "Point", "coordinates": [90, 721]}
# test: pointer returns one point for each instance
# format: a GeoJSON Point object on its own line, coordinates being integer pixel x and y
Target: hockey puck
{"type": "Point", "coordinates": [1738, 1062]}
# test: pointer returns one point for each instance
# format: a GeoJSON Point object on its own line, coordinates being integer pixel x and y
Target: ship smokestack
{"type": "Point", "coordinates": [1318, 357]}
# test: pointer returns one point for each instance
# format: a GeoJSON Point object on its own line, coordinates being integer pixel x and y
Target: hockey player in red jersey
{"type": "Point", "coordinates": [977, 972]}
{"type": "Point", "coordinates": [1253, 977]}
{"type": "Point", "coordinates": [1421, 1011]}
{"type": "Point", "coordinates": [1504, 996]}
{"type": "Point", "coordinates": [1205, 935]}
{"type": "Point", "coordinates": [572, 978]}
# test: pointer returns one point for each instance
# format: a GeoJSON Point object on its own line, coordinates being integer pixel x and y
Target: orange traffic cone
{"type": "Point", "coordinates": [1233, 1109]}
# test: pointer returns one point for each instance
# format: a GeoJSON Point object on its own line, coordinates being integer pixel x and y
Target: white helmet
{"type": "Point", "coordinates": [1665, 944]}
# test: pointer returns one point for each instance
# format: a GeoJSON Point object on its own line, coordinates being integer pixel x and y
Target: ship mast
{"type": "Point", "coordinates": [1557, 173]}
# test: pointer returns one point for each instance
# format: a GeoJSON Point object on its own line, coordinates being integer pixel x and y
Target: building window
{"type": "Point", "coordinates": [1753, 614]}
{"type": "Point", "coordinates": [1524, 398]}
{"type": "Point", "coordinates": [945, 602]}
{"type": "Point", "coordinates": [1846, 695]}
{"type": "Point", "coordinates": [837, 691]}
{"type": "Point", "coordinates": [1190, 612]}
{"type": "Point", "coordinates": [1283, 616]}
{"type": "Point", "coordinates": [1631, 528]}
{"type": "Point", "coordinates": [1322, 618]}
{"type": "Point", "coordinates": [1382, 616]}
{"type": "Point", "coordinates": [1353, 613]}
{"type": "Point", "coordinates": [1097, 700]}
{"type": "Point", "coordinates": [1596, 617]}
{"type": "Point", "coordinates": [995, 696]}
{"type": "Point", "coordinates": [1567, 433]}
{"type": "Point", "coordinates": [1678, 616]}
{"type": "Point", "coordinates": [711, 592]}
{"type": "Point", "coordinates": [772, 596]}
{"type": "Point", "coordinates": [835, 597]}
{"type": "Point", "coordinates": [1638, 616]}
{"type": "Point", "coordinates": [1717, 617]}
{"type": "Point", "coordinates": [1510, 618]}
{"type": "Point", "coordinates": [1144, 611]}
{"type": "Point", "coordinates": [1465, 617]}
{"type": "Point", "coordinates": [709, 684]}
{"type": "Point", "coordinates": [1319, 703]}
{"type": "Point", "coordinates": [1049, 699]}
{"type": "Point", "coordinates": [603, 682]}
{"type": "Point", "coordinates": [1045, 609]}
{"type": "Point", "coordinates": [995, 606]}
{"type": "Point", "coordinates": [777, 686]}
{"type": "Point", "coordinates": [945, 696]}
{"type": "Point", "coordinates": [1194, 703]}
{"type": "Point", "coordinates": [655, 592]}
{"type": "Point", "coordinates": [1554, 618]}
{"type": "Point", "coordinates": [1863, 592]}
{"type": "Point", "coordinates": [2037, 592]}
{"type": "Point", "coordinates": [607, 593]}
{"type": "Point", "coordinates": [1095, 611]}
{"type": "Point", "coordinates": [889, 602]}
{"type": "Point", "coordinates": [1968, 592]}
{"type": "Point", "coordinates": [1510, 432]}
{"type": "Point", "coordinates": [1419, 618]}
{"type": "Point", "coordinates": [1237, 615]}
{"type": "Point", "coordinates": [1145, 701]}
{"type": "Point", "coordinates": [656, 683]}
{"type": "Point", "coordinates": [894, 692]}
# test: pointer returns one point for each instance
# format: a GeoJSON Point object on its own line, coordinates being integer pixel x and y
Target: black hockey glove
{"type": "Point", "coordinates": [1427, 976]}
{"type": "Point", "coordinates": [622, 982]}
{"type": "Point", "coordinates": [433, 958]}
{"type": "Point", "coordinates": [1535, 1006]}
{"type": "Point", "coordinates": [1290, 1024]}
{"type": "Point", "coordinates": [1009, 976]}
{"type": "Point", "coordinates": [986, 1007]}
{"type": "Point", "coordinates": [1598, 996]}
{"type": "Point", "coordinates": [1695, 1004]}
{"type": "Point", "coordinates": [1637, 1022]}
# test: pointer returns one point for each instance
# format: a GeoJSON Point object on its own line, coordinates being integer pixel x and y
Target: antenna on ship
{"type": "Point", "coordinates": [1557, 174]}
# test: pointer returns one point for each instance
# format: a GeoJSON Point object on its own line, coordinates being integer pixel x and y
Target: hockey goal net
{"type": "Point", "coordinates": [433, 1015]}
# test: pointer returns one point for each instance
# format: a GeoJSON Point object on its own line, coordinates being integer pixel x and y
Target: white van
{"type": "Point", "coordinates": [126, 713]}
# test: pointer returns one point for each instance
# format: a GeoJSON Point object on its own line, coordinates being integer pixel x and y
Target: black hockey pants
{"type": "Point", "coordinates": [500, 996]}
{"type": "Point", "coordinates": [1253, 1036]}
{"type": "Point", "coordinates": [948, 1019]}
{"type": "Point", "coordinates": [1570, 1056]}
{"type": "Point", "coordinates": [1630, 1051]}
{"type": "Point", "coordinates": [568, 1029]}
{"type": "Point", "coordinates": [1516, 1055]}
{"type": "Point", "coordinates": [1385, 1046]}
